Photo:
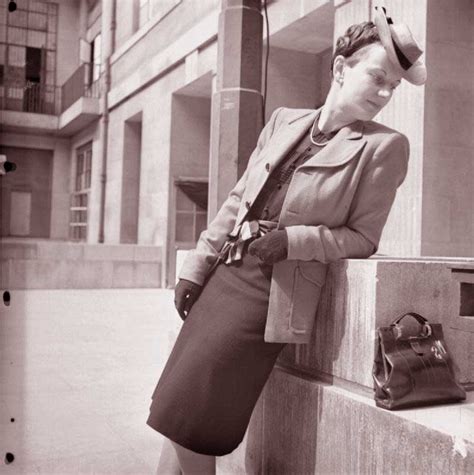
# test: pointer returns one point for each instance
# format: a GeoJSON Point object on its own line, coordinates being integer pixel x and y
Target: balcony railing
{"type": "Point", "coordinates": [30, 97]}
{"type": "Point", "coordinates": [80, 84]}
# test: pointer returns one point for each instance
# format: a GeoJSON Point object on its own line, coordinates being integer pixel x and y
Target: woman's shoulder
{"type": "Point", "coordinates": [382, 137]}
{"type": "Point", "coordinates": [290, 113]}
{"type": "Point", "coordinates": [380, 131]}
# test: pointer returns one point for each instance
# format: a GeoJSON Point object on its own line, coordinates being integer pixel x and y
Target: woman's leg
{"type": "Point", "coordinates": [169, 463]}
{"type": "Point", "coordinates": [193, 463]}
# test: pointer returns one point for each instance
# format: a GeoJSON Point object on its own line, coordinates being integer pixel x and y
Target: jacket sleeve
{"type": "Point", "coordinates": [360, 236]}
{"type": "Point", "coordinates": [200, 260]}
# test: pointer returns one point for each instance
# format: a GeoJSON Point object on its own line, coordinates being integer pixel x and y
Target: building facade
{"type": "Point", "coordinates": [107, 110]}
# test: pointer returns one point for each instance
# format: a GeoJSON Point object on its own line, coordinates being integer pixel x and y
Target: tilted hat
{"type": "Point", "coordinates": [402, 49]}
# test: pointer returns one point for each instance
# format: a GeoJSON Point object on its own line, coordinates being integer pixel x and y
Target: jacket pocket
{"type": "Point", "coordinates": [309, 277]}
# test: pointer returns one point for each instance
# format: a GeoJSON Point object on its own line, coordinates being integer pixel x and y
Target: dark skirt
{"type": "Point", "coordinates": [219, 363]}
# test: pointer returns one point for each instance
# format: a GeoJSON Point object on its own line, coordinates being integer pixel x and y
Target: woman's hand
{"type": "Point", "coordinates": [271, 248]}
{"type": "Point", "coordinates": [185, 294]}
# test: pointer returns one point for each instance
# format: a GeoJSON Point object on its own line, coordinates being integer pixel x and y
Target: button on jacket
{"type": "Point", "coordinates": [336, 207]}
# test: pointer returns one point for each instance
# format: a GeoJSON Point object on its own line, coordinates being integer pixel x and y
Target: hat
{"type": "Point", "coordinates": [402, 49]}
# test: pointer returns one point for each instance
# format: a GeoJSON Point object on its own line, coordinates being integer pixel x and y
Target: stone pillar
{"type": "Point", "coordinates": [237, 102]}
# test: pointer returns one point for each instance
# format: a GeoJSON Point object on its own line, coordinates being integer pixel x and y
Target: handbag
{"type": "Point", "coordinates": [412, 371]}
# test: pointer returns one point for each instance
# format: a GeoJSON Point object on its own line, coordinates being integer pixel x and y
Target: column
{"type": "Point", "coordinates": [237, 102]}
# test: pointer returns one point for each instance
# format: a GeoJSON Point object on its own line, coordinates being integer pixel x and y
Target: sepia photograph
{"type": "Point", "coordinates": [237, 237]}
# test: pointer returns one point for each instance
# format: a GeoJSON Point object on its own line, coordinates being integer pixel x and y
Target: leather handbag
{"type": "Point", "coordinates": [415, 370]}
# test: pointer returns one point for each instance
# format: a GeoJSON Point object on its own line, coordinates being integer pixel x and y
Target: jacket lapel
{"type": "Point", "coordinates": [342, 148]}
{"type": "Point", "coordinates": [290, 135]}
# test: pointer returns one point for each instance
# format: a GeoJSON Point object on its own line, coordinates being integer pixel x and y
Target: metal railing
{"type": "Point", "coordinates": [80, 84]}
{"type": "Point", "coordinates": [30, 97]}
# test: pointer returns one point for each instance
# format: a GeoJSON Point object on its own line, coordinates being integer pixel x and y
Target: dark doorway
{"type": "Point", "coordinates": [33, 97]}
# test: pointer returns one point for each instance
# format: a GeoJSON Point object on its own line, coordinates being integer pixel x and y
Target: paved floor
{"type": "Point", "coordinates": [77, 371]}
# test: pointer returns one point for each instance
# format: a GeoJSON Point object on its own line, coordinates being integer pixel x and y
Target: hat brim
{"type": "Point", "coordinates": [416, 74]}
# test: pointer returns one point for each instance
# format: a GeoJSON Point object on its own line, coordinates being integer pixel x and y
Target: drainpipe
{"type": "Point", "coordinates": [105, 108]}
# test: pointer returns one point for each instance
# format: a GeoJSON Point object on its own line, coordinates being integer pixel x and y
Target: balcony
{"type": "Point", "coordinates": [29, 107]}
{"type": "Point", "coordinates": [31, 97]}
{"type": "Point", "coordinates": [61, 110]}
{"type": "Point", "coordinates": [80, 99]}
{"type": "Point", "coordinates": [80, 84]}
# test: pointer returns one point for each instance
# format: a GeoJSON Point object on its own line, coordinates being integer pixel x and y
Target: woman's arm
{"type": "Point", "coordinates": [374, 197]}
{"type": "Point", "coordinates": [200, 260]}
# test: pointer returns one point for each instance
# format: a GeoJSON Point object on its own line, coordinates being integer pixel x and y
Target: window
{"type": "Point", "coordinates": [28, 56]}
{"type": "Point", "coordinates": [191, 218]}
{"type": "Point", "coordinates": [80, 195]}
{"type": "Point", "coordinates": [95, 59]}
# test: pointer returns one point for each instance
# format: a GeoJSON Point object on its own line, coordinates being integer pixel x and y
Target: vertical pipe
{"type": "Point", "coordinates": [105, 119]}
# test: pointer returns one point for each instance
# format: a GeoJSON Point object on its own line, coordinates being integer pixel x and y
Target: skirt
{"type": "Point", "coordinates": [220, 362]}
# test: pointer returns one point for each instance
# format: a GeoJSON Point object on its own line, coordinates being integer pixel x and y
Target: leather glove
{"type": "Point", "coordinates": [185, 294]}
{"type": "Point", "coordinates": [271, 248]}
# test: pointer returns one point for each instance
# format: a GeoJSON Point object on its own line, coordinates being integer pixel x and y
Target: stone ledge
{"type": "Point", "coordinates": [361, 295]}
{"type": "Point", "coordinates": [44, 249]}
{"type": "Point", "coordinates": [303, 426]}
{"type": "Point", "coordinates": [19, 274]}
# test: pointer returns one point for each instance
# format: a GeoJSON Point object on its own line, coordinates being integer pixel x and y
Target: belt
{"type": "Point", "coordinates": [232, 249]}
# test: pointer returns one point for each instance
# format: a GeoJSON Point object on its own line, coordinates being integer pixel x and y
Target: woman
{"type": "Point", "coordinates": [318, 188]}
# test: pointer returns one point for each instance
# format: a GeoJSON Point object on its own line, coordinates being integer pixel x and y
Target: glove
{"type": "Point", "coordinates": [185, 294]}
{"type": "Point", "coordinates": [271, 248]}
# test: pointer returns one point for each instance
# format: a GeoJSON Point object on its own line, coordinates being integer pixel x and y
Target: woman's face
{"type": "Point", "coordinates": [368, 85]}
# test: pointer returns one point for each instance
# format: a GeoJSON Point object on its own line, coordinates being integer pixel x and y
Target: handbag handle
{"type": "Point", "coordinates": [421, 320]}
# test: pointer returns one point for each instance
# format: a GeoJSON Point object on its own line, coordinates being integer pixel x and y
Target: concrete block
{"type": "Point", "coordinates": [147, 253]}
{"type": "Point", "coordinates": [59, 250]}
{"type": "Point", "coordinates": [18, 250]}
{"type": "Point", "coordinates": [4, 273]}
{"type": "Point", "coordinates": [123, 274]}
{"type": "Point", "coordinates": [85, 275]}
{"type": "Point", "coordinates": [147, 274]}
{"type": "Point", "coordinates": [311, 428]}
{"type": "Point", "coordinates": [122, 252]}
{"type": "Point", "coordinates": [33, 274]}
{"type": "Point", "coordinates": [361, 295]}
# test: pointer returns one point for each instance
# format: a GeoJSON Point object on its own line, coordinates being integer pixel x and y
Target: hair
{"type": "Point", "coordinates": [354, 39]}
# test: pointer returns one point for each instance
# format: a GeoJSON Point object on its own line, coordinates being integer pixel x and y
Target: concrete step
{"type": "Point", "coordinates": [302, 426]}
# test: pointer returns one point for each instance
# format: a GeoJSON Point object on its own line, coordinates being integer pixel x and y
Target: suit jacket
{"type": "Point", "coordinates": [336, 207]}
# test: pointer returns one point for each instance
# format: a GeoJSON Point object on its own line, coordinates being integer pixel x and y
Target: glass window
{"type": "Point", "coordinates": [51, 44]}
{"type": "Point", "coordinates": [37, 21]}
{"type": "Point", "coordinates": [38, 6]}
{"type": "Point", "coordinates": [201, 225]}
{"type": "Point", "coordinates": [79, 198]}
{"type": "Point", "coordinates": [37, 39]}
{"type": "Point", "coordinates": [183, 203]}
{"type": "Point", "coordinates": [191, 219]}
{"type": "Point", "coordinates": [3, 12]}
{"type": "Point", "coordinates": [184, 227]}
{"type": "Point", "coordinates": [3, 33]}
{"type": "Point", "coordinates": [96, 57]}
{"type": "Point", "coordinates": [16, 35]}
{"type": "Point", "coordinates": [19, 18]}
{"type": "Point", "coordinates": [52, 9]}
{"type": "Point", "coordinates": [17, 56]}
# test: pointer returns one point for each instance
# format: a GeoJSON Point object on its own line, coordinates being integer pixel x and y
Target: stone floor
{"type": "Point", "coordinates": [77, 371]}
